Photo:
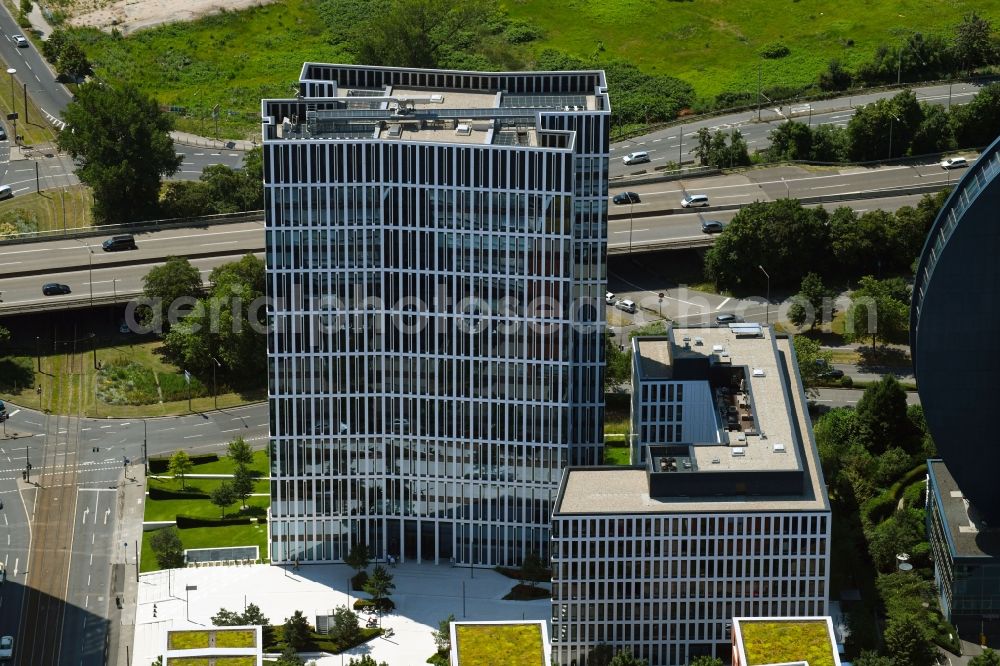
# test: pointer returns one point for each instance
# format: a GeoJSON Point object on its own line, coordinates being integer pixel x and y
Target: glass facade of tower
{"type": "Point", "coordinates": [435, 256]}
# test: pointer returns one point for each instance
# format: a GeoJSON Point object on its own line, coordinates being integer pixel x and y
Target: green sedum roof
{"type": "Point", "coordinates": [785, 641]}
{"type": "Point", "coordinates": [493, 644]}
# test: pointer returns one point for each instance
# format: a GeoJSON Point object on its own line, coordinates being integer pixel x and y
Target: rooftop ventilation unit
{"type": "Point", "coordinates": [437, 99]}
{"type": "Point", "coordinates": [739, 452]}
{"type": "Point", "coordinates": [716, 461]}
{"type": "Point", "coordinates": [779, 448]}
{"type": "Point", "coordinates": [759, 372]}
{"type": "Point", "coordinates": [395, 131]}
{"type": "Point", "coordinates": [463, 129]}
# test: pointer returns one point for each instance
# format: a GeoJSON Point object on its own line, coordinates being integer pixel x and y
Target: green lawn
{"type": "Point", "coordinates": [201, 485]}
{"type": "Point", "coordinates": [211, 537]}
{"type": "Point", "coordinates": [616, 455]}
{"type": "Point", "coordinates": [508, 644]}
{"type": "Point", "coordinates": [225, 466]}
{"type": "Point", "coordinates": [67, 207]}
{"type": "Point", "coordinates": [235, 638]}
{"type": "Point", "coordinates": [715, 44]}
{"type": "Point", "coordinates": [170, 509]}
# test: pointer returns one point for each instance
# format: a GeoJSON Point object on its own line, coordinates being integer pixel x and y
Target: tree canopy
{"type": "Point", "coordinates": [121, 141]}
{"type": "Point", "coordinates": [170, 284]}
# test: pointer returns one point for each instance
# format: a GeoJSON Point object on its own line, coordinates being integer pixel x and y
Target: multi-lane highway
{"type": "Point", "coordinates": [675, 143]}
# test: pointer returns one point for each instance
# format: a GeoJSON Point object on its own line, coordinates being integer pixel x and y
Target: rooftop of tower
{"type": "Point", "coordinates": [967, 533]}
{"type": "Point", "coordinates": [441, 106]}
{"type": "Point", "coordinates": [764, 456]}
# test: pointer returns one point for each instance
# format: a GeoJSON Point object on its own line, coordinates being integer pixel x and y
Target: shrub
{"type": "Point", "coordinates": [161, 465]}
{"type": "Point", "coordinates": [358, 581]}
{"type": "Point", "coordinates": [175, 387]}
{"type": "Point", "coordinates": [385, 604]}
{"type": "Point", "coordinates": [774, 50]}
{"type": "Point", "coordinates": [879, 508]}
{"type": "Point", "coordinates": [124, 382]}
{"type": "Point", "coordinates": [158, 493]}
{"type": "Point", "coordinates": [186, 522]}
{"type": "Point", "coordinates": [847, 381]}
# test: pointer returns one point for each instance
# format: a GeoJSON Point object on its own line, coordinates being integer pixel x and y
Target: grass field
{"type": "Point", "coordinates": [37, 130]}
{"type": "Point", "coordinates": [55, 209]}
{"type": "Point", "coordinates": [715, 44]}
{"type": "Point", "coordinates": [64, 376]}
{"type": "Point", "coordinates": [205, 486]}
{"type": "Point", "coordinates": [232, 59]}
{"type": "Point", "coordinates": [210, 537]}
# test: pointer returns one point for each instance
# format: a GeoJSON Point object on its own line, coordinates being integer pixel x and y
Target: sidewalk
{"type": "Point", "coordinates": [121, 630]}
{"type": "Point", "coordinates": [38, 21]}
{"type": "Point", "coordinates": [187, 139]}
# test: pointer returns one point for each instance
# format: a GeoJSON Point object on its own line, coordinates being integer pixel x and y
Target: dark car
{"type": "Point", "coordinates": [3, 134]}
{"type": "Point", "coordinates": [55, 289]}
{"type": "Point", "coordinates": [122, 242]}
{"type": "Point", "coordinates": [826, 371]}
{"type": "Point", "coordinates": [712, 226]}
{"type": "Point", "coordinates": [626, 198]}
{"type": "Point", "coordinates": [726, 318]}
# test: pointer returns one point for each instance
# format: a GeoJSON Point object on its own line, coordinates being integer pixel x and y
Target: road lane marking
{"type": "Point", "coordinates": [723, 303]}
{"type": "Point", "coordinates": [192, 436]}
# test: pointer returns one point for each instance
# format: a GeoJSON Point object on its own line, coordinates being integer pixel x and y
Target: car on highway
{"type": "Point", "coordinates": [639, 157]}
{"type": "Point", "coordinates": [694, 201]}
{"type": "Point", "coordinates": [120, 242]}
{"type": "Point", "coordinates": [626, 198]}
{"type": "Point", "coordinates": [609, 297]}
{"type": "Point", "coordinates": [20, 41]}
{"type": "Point", "coordinates": [954, 163]}
{"type": "Point", "coordinates": [712, 226]}
{"type": "Point", "coordinates": [3, 134]}
{"type": "Point", "coordinates": [726, 318]}
{"type": "Point", "coordinates": [55, 289]}
{"type": "Point", "coordinates": [826, 371]}
{"type": "Point", "coordinates": [6, 647]}
{"type": "Point", "coordinates": [6, 192]}
{"type": "Point", "coordinates": [626, 305]}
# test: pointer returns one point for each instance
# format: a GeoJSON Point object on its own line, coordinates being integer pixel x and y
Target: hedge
{"type": "Point", "coordinates": [879, 508]}
{"type": "Point", "coordinates": [162, 465]}
{"type": "Point", "coordinates": [157, 493]}
{"type": "Point", "coordinates": [386, 605]}
{"type": "Point", "coordinates": [192, 521]}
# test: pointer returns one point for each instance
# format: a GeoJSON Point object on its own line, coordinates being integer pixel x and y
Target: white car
{"type": "Point", "coordinates": [954, 163]}
{"type": "Point", "coordinates": [6, 647]}
{"type": "Point", "coordinates": [639, 157]}
{"type": "Point", "coordinates": [626, 305]}
{"type": "Point", "coordinates": [609, 298]}
{"type": "Point", "coordinates": [19, 40]}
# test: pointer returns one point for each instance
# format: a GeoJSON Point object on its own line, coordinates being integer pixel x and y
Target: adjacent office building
{"type": "Point", "coordinates": [966, 552]}
{"type": "Point", "coordinates": [435, 256]}
{"type": "Point", "coordinates": [726, 517]}
{"type": "Point", "coordinates": [954, 305]}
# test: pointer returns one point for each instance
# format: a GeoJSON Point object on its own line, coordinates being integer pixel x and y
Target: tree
{"type": "Point", "coordinates": [251, 616]}
{"type": "Point", "coordinates": [703, 149]}
{"type": "Point", "coordinates": [834, 77]}
{"type": "Point", "coordinates": [987, 658]}
{"type": "Point", "coordinates": [358, 558]}
{"type": "Point", "coordinates": [158, 662]}
{"type": "Point", "coordinates": [617, 363]}
{"type": "Point", "coordinates": [379, 584]}
{"type": "Point", "coordinates": [288, 658]}
{"type": "Point", "coordinates": [4, 335]}
{"type": "Point", "coordinates": [180, 466]}
{"type": "Point", "coordinates": [296, 631]}
{"type": "Point", "coordinates": [876, 313]}
{"type": "Point", "coordinates": [121, 141]}
{"type": "Point", "coordinates": [808, 304]}
{"type": "Point", "coordinates": [882, 413]}
{"type": "Point", "coordinates": [167, 547]}
{"type": "Point", "coordinates": [365, 660]}
{"type": "Point", "coordinates": [227, 618]}
{"type": "Point", "coordinates": [977, 123]}
{"type": "Point", "coordinates": [705, 660]}
{"type": "Point", "coordinates": [532, 568]}
{"type": "Point", "coordinates": [811, 357]}
{"type": "Point", "coordinates": [829, 144]}
{"type": "Point", "coordinates": [73, 63]}
{"type": "Point", "coordinates": [790, 140]}
{"type": "Point", "coordinates": [345, 629]}
{"type": "Point", "coordinates": [420, 33]}
{"type": "Point", "coordinates": [935, 134]}
{"type": "Point", "coordinates": [223, 496]}
{"type": "Point", "coordinates": [601, 655]}
{"type": "Point", "coordinates": [869, 658]}
{"type": "Point", "coordinates": [884, 129]}
{"type": "Point", "coordinates": [625, 658]}
{"type": "Point", "coordinates": [974, 43]}
{"type": "Point", "coordinates": [442, 636]}
{"type": "Point", "coordinates": [168, 284]}
{"type": "Point", "coordinates": [242, 484]}
{"type": "Point", "coordinates": [240, 452]}
{"type": "Point", "coordinates": [898, 533]}
{"type": "Point", "coordinates": [908, 643]}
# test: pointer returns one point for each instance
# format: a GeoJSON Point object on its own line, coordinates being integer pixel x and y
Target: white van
{"type": "Point", "coordinates": [6, 192]}
{"type": "Point", "coordinates": [694, 201]}
{"type": "Point", "coordinates": [636, 158]}
{"type": "Point", "coordinates": [626, 305]}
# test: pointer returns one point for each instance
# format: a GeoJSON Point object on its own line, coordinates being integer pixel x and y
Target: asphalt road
{"type": "Point", "coordinates": [675, 143]}
{"type": "Point", "coordinates": [849, 397]}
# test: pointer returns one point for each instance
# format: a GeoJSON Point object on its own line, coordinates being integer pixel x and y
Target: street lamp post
{"type": "Point", "coordinates": [892, 124]}
{"type": "Point", "coordinates": [13, 111]}
{"type": "Point", "coordinates": [145, 453]}
{"type": "Point", "coordinates": [215, 389]}
{"type": "Point", "coordinates": [767, 304]}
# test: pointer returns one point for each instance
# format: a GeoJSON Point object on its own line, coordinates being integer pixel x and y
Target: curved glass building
{"type": "Point", "coordinates": [956, 307]}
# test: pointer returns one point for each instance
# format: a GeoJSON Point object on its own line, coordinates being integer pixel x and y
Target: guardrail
{"type": "Point", "coordinates": [666, 244]}
{"type": "Point", "coordinates": [644, 178]}
{"type": "Point", "coordinates": [56, 304]}
{"type": "Point", "coordinates": [134, 227]}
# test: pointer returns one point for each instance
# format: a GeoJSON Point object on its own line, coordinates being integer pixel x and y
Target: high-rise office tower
{"type": "Point", "coordinates": [435, 254]}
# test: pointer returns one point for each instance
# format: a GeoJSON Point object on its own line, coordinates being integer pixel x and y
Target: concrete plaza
{"type": "Point", "coordinates": [424, 595]}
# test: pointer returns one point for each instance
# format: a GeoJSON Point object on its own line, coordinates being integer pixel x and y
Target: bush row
{"type": "Point", "coordinates": [184, 522]}
{"type": "Point", "coordinates": [158, 493]}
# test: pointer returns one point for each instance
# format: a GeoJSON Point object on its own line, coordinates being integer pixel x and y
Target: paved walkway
{"type": "Point", "coordinates": [425, 594]}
